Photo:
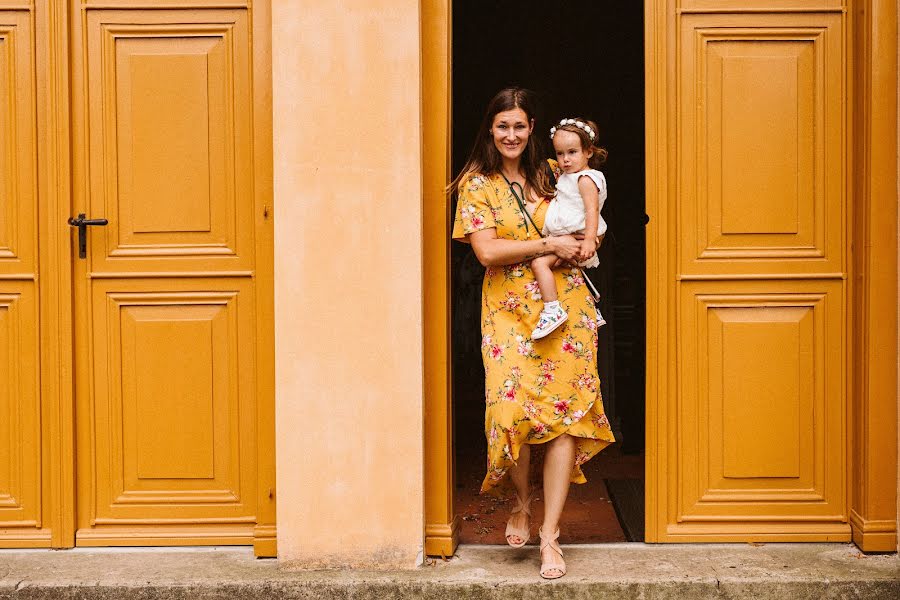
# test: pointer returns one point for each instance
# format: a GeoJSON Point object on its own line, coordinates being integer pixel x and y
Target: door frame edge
{"type": "Point", "coordinates": [441, 526]}
{"type": "Point", "coordinates": [873, 411]}
{"type": "Point", "coordinates": [55, 271]}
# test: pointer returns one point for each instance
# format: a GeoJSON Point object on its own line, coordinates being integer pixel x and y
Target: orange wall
{"type": "Point", "coordinates": [348, 291]}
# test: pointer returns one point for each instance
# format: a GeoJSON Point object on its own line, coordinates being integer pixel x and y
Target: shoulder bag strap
{"type": "Point", "coordinates": [521, 203]}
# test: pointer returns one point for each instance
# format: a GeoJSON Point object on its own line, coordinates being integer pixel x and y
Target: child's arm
{"type": "Point", "coordinates": [590, 195]}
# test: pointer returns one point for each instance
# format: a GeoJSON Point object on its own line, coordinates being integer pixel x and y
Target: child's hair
{"type": "Point", "coordinates": [485, 158]}
{"type": "Point", "coordinates": [584, 134]}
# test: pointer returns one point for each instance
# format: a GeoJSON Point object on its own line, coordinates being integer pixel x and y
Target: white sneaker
{"type": "Point", "coordinates": [600, 320]}
{"type": "Point", "coordinates": [550, 320]}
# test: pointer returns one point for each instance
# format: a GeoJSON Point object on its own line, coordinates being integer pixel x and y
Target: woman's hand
{"type": "Point", "coordinates": [566, 247]}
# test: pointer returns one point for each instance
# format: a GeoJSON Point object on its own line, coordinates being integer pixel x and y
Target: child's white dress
{"type": "Point", "coordinates": [566, 212]}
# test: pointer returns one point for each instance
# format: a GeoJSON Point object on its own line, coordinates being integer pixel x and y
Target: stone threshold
{"type": "Point", "coordinates": [620, 571]}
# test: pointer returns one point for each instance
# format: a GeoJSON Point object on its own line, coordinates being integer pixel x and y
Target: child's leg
{"type": "Point", "coordinates": [552, 315]}
{"type": "Point", "coordinates": [543, 273]}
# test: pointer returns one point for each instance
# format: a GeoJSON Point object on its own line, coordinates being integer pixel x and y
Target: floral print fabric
{"type": "Point", "coordinates": [535, 390]}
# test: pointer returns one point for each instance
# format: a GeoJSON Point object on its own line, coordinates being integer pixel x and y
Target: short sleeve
{"type": "Point", "coordinates": [599, 180]}
{"type": "Point", "coordinates": [473, 209]}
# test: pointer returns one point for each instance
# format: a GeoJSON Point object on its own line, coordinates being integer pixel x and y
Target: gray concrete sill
{"type": "Point", "coordinates": [621, 571]}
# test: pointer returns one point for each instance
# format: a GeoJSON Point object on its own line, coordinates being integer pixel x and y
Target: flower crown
{"type": "Point", "coordinates": [579, 124]}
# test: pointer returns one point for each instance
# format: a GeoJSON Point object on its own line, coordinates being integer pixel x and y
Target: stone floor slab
{"type": "Point", "coordinates": [621, 571]}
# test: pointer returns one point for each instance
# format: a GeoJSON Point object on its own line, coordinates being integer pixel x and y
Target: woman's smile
{"type": "Point", "coordinates": [510, 130]}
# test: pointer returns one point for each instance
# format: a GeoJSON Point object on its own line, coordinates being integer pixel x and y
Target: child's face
{"type": "Point", "coordinates": [569, 153]}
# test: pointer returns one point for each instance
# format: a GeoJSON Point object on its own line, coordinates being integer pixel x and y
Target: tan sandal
{"type": "Point", "coordinates": [551, 571]}
{"type": "Point", "coordinates": [523, 533]}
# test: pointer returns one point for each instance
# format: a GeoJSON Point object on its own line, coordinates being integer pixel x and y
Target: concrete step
{"type": "Point", "coordinates": [620, 571]}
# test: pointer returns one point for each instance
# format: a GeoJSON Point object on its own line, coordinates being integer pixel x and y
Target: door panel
{"type": "Point", "coordinates": [20, 423]}
{"type": "Point", "coordinates": [167, 405]}
{"type": "Point", "coordinates": [173, 405]}
{"type": "Point", "coordinates": [761, 107]}
{"type": "Point", "coordinates": [18, 216]}
{"type": "Point", "coordinates": [18, 222]}
{"type": "Point", "coordinates": [736, 6]}
{"type": "Point", "coordinates": [762, 391]}
{"type": "Point", "coordinates": [170, 161]}
{"type": "Point", "coordinates": [22, 522]}
{"type": "Point", "coordinates": [752, 278]}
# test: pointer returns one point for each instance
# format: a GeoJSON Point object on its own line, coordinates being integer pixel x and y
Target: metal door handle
{"type": "Point", "coordinates": [82, 224]}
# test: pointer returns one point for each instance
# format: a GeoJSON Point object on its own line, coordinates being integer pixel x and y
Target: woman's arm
{"type": "Point", "coordinates": [591, 198]}
{"type": "Point", "coordinates": [492, 251]}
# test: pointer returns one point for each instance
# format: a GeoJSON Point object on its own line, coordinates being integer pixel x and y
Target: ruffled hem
{"type": "Point", "coordinates": [498, 484]}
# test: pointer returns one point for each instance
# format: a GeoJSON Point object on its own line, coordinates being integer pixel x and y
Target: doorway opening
{"type": "Point", "coordinates": [582, 58]}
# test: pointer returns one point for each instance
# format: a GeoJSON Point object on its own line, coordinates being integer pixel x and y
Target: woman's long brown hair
{"type": "Point", "coordinates": [485, 159]}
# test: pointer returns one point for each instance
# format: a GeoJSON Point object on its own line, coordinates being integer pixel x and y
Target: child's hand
{"type": "Point", "coordinates": [586, 249]}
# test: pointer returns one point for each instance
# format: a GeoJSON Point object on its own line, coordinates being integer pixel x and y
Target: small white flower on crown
{"type": "Point", "coordinates": [580, 125]}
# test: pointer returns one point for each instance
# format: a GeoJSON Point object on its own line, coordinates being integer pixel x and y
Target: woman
{"type": "Point", "coordinates": [537, 392]}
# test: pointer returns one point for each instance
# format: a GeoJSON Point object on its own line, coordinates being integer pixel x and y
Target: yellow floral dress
{"type": "Point", "coordinates": [535, 390]}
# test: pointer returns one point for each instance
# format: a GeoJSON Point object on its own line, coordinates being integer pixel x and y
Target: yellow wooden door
{"type": "Point", "coordinates": [159, 119]}
{"type": "Point", "coordinates": [22, 521]}
{"type": "Point", "coordinates": [749, 275]}
{"type": "Point", "coordinates": [165, 298]}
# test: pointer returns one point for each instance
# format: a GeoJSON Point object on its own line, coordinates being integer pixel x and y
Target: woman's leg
{"type": "Point", "coordinates": [518, 474]}
{"type": "Point", "coordinates": [542, 267]}
{"type": "Point", "coordinates": [559, 459]}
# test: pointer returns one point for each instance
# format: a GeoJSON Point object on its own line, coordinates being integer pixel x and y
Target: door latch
{"type": "Point", "coordinates": [82, 224]}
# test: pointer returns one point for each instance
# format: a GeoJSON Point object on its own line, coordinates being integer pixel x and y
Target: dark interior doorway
{"type": "Point", "coordinates": [582, 58]}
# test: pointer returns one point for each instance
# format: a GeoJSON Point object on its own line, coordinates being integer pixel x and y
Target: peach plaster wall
{"type": "Point", "coordinates": [348, 283]}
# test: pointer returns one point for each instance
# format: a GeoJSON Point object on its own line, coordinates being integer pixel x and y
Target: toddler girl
{"type": "Point", "coordinates": [580, 193]}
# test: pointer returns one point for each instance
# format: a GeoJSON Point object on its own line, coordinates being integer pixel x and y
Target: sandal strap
{"type": "Point", "coordinates": [522, 532]}
{"type": "Point", "coordinates": [550, 540]}
{"type": "Point", "coordinates": [523, 505]}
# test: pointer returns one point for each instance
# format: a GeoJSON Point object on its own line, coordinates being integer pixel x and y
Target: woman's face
{"type": "Point", "coordinates": [510, 131]}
